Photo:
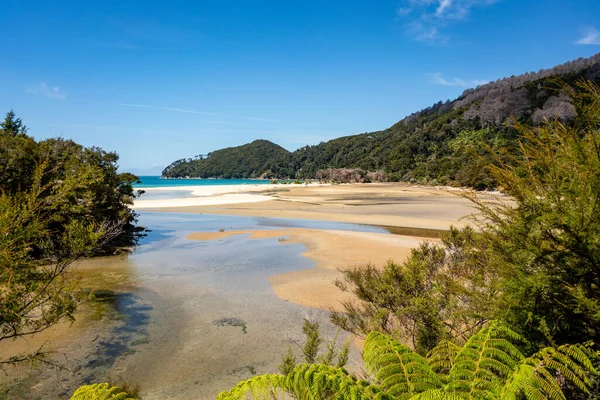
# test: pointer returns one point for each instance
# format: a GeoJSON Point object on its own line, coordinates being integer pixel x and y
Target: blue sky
{"type": "Point", "coordinates": [158, 81]}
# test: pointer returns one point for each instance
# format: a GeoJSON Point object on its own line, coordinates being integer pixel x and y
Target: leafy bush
{"type": "Point", "coordinates": [489, 366]}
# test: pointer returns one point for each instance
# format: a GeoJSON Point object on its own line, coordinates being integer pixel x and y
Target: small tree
{"type": "Point", "coordinates": [36, 290]}
{"type": "Point", "coordinates": [442, 291]}
{"type": "Point", "coordinates": [335, 354]}
{"type": "Point", "coordinates": [12, 126]}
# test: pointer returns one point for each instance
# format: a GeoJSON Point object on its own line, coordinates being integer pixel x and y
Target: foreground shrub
{"type": "Point", "coordinates": [489, 366]}
{"type": "Point", "coordinates": [100, 391]}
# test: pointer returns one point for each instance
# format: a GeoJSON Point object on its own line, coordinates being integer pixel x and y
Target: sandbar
{"type": "Point", "coordinates": [333, 251]}
{"type": "Point", "coordinates": [389, 204]}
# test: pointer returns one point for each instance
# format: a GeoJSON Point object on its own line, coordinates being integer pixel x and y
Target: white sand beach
{"type": "Point", "coordinates": [210, 195]}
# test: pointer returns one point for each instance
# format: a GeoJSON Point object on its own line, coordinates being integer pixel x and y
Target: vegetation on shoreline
{"type": "Point", "coordinates": [493, 311]}
{"type": "Point", "coordinates": [488, 313]}
{"type": "Point", "coordinates": [252, 160]}
{"type": "Point", "coordinates": [532, 262]}
{"type": "Point", "coordinates": [442, 144]}
{"type": "Point", "coordinates": [59, 201]}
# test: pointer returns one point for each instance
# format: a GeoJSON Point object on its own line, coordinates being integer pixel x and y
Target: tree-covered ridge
{"type": "Point", "coordinates": [430, 145]}
{"type": "Point", "coordinates": [252, 160]}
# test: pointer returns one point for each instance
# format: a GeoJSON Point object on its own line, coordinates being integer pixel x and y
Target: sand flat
{"type": "Point", "coordinates": [333, 251]}
{"type": "Point", "coordinates": [391, 204]}
{"type": "Point", "coordinates": [384, 204]}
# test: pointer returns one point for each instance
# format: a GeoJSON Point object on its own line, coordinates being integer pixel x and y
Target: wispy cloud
{"type": "Point", "coordinates": [590, 36]}
{"type": "Point", "coordinates": [438, 79]}
{"type": "Point", "coordinates": [425, 18]}
{"type": "Point", "coordinates": [167, 109]}
{"type": "Point", "coordinates": [264, 119]}
{"type": "Point", "coordinates": [118, 45]}
{"type": "Point", "coordinates": [44, 90]}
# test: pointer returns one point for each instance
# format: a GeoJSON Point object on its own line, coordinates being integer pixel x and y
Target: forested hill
{"type": "Point", "coordinates": [251, 160]}
{"type": "Point", "coordinates": [434, 145]}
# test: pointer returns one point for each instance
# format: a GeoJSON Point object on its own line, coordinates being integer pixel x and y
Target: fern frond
{"type": "Point", "coordinates": [483, 363]}
{"type": "Point", "coordinates": [267, 386]}
{"type": "Point", "coordinates": [306, 381]}
{"type": "Point", "coordinates": [441, 357]}
{"type": "Point", "coordinates": [399, 370]}
{"type": "Point", "coordinates": [536, 376]}
{"type": "Point", "coordinates": [437, 394]}
{"type": "Point", "coordinates": [100, 391]}
{"type": "Point", "coordinates": [315, 381]}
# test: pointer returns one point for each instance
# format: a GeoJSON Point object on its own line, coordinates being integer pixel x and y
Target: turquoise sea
{"type": "Point", "coordinates": [157, 181]}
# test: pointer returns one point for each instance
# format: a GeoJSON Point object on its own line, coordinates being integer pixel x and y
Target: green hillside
{"type": "Point", "coordinates": [251, 160]}
{"type": "Point", "coordinates": [434, 145]}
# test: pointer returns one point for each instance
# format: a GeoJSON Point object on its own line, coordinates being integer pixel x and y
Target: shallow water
{"type": "Point", "coordinates": [156, 181]}
{"type": "Point", "coordinates": [167, 194]}
{"type": "Point", "coordinates": [184, 319]}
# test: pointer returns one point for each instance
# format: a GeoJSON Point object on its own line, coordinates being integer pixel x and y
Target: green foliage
{"type": "Point", "coordinates": [335, 354]}
{"type": "Point", "coordinates": [12, 126]}
{"type": "Point", "coordinates": [252, 160]}
{"type": "Point", "coordinates": [288, 362]}
{"type": "Point", "coordinates": [489, 366]}
{"type": "Point", "coordinates": [485, 361]}
{"type": "Point", "coordinates": [100, 391]}
{"type": "Point", "coordinates": [397, 369]}
{"type": "Point", "coordinates": [58, 202]}
{"type": "Point", "coordinates": [92, 189]}
{"type": "Point", "coordinates": [441, 357]}
{"type": "Point", "coordinates": [313, 341]}
{"type": "Point", "coordinates": [36, 291]}
{"type": "Point", "coordinates": [545, 243]}
{"type": "Point", "coordinates": [307, 381]}
{"type": "Point", "coordinates": [532, 261]}
{"type": "Point", "coordinates": [442, 291]}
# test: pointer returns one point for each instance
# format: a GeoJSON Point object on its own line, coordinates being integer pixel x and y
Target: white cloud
{"type": "Point", "coordinates": [264, 119]}
{"type": "Point", "coordinates": [438, 79]}
{"type": "Point", "coordinates": [167, 109]}
{"type": "Point", "coordinates": [444, 5]}
{"type": "Point", "coordinates": [590, 36]}
{"type": "Point", "coordinates": [44, 90]}
{"type": "Point", "coordinates": [426, 32]}
{"type": "Point", "coordinates": [428, 16]}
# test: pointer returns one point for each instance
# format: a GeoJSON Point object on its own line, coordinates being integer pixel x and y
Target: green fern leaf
{"type": "Point", "coordinates": [100, 391]}
{"type": "Point", "coordinates": [441, 357]}
{"type": "Point", "coordinates": [484, 362]}
{"type": "Point", "coordinates": [314, 381]}
{"type": "Point", "coordinates": [399, 370]}
{"type": "Point", "coordinates": [259, 387]}
{"type": "Point", "coordinates": [306, 381]}
{"type": "Point", "coordinates": [437, 394]}
{"type": "Point", "coordinates": [536, 376]}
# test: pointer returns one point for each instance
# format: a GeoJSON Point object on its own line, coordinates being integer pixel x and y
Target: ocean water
{"type": "Point", "coordinates": [156, 181]}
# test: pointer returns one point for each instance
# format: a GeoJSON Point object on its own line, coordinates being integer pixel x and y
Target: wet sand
{"type": "Point", "coordinates": [333, 251]}
{"type": "Point", "coordinates": [158, 321]}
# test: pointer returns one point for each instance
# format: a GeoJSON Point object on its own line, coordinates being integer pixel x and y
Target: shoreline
{"type": "Point", "coordinates": [211, 195]}
{"type": "Point", "coordinates": [380, 204]}
{"type": "Point", "coordinates": [333, 251]}
{"type": "Point", "coordinates": [411, 214]}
